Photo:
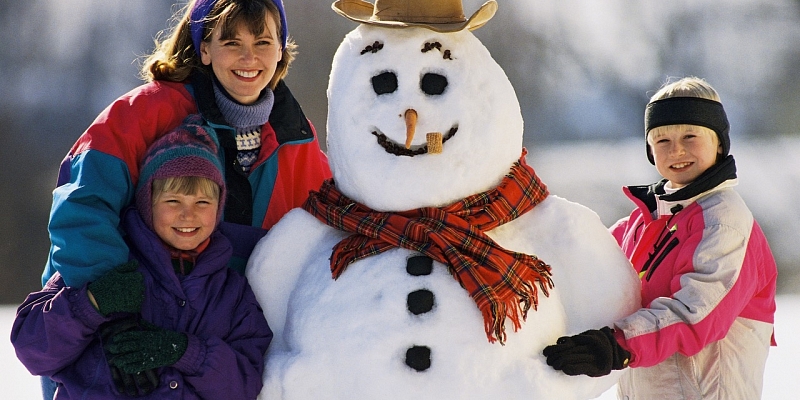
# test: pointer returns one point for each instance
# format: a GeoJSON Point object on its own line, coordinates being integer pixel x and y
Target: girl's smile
{"type": "Point", "coordinates": [683, 152]}
{"type": "Point", "coordinates": [184, 221]}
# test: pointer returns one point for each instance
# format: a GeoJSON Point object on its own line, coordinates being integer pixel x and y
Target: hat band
{"type": "Point", "coordinates": [688, 111]}
{"type": "Point", "coordinates": [197, 21]}
{"type": "Point", "coordinates": [200, 10]}
{"type": "Point", "coordinates": [422, 19]}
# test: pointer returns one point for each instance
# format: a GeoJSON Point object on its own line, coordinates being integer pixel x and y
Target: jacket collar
{"type": "Point", "coordinates": [148, 248]}
{"type": "Point", "coordinates": [287, 117]}
{"type": "Point", "coordinates": [720, 176]}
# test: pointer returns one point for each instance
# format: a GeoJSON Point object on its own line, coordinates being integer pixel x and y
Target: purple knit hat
{"type": "Point", "coordinates": [201, 9]}
{"type": "Point", "coordinates": [188, 150]}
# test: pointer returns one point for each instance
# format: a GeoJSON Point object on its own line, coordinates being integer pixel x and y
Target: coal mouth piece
{"type": "Point", "coordinates": [397, 149]}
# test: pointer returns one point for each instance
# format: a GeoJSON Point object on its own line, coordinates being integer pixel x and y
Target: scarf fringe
{"type": "Point", "coordinates": [516, 304]}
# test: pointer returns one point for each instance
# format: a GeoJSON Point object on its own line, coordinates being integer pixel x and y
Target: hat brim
{"type": "Point", "coordinates": [361, 11]}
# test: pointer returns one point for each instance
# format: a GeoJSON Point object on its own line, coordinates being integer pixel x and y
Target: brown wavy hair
{"type": "Point", "coordinates": [175, 57]}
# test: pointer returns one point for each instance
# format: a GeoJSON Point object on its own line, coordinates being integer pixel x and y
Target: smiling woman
{"type": "Point", "coordinates": [244, 60]}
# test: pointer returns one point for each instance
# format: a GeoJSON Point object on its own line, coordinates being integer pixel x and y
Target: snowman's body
{"type": "Point", "coordinates": [350, 338]}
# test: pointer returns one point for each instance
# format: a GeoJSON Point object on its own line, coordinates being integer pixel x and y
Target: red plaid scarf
{"type": "Point", "coordinates": [501, 282]}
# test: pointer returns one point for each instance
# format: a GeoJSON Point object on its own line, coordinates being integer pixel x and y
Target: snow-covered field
{"type": "Point", "coordinates": [780, 381]}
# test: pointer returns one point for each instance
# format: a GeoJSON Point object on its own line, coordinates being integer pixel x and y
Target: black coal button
{"type": "Point", "coordinates": [420, 301]}
{"type": "Point", "coordinates": [419, 265]}
{"type": "Point", "coordinates": [418, 357]}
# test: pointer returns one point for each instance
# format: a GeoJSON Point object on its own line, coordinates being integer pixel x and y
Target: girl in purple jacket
{"type": "Point", "coordinates": [707, 273]}
{"type": "Point", "coordinates": [174, 322]}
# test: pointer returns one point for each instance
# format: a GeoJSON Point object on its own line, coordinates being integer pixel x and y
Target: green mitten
{"type": "Point", "coordinates": [119, 290]}
{"type": "Point", "coordinates": [138, 384]}
{"type": "Point", "coordinates": [136, 351]}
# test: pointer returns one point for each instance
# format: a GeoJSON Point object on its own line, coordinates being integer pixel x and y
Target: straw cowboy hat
{"type": "Point", "coordinates": [436, 15]}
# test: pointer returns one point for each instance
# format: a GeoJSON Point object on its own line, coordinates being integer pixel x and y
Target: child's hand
{"type": "Point", "coordinates": [593, 353]}
{"type": "Point", "coordinates": [119, 290]}
{"type": "Point", "coordinates": [136, 351]}
{"type": "Point", "coordinates": [138, 384]}
{"type": "Point", "coordinates": [134, 385]}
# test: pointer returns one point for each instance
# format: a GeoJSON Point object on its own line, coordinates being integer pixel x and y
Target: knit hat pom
{"type": "Point", "coordinates": [188, 150]}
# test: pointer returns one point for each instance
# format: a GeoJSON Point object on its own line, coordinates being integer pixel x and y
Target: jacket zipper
{"type": "Point", "coordinates": [662, 247]}
{"type": "Point", "coordinates": [660, 258]}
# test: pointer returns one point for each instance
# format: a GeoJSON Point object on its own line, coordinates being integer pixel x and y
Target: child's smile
{"type": "Point", "coordinates": [184, 221]}
{"type": "Point", "coordinates": [683, 152]}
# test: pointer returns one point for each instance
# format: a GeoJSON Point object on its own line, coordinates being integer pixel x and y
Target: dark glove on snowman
{"type": "Point", "coordinates": [593, 353]}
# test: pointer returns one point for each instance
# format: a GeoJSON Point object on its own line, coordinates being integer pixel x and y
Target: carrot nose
{"type": "Point", "coordinates": [411, 126]}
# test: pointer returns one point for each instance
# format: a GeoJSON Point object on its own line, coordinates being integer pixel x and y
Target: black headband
{"type": "Point", "coordinates": [686, 110]}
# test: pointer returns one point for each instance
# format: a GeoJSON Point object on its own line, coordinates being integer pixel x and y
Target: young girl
{"type": "Point", "coordinates": [225, 59]}
{"type": "Point", "coordinates": [708, 276]}
{"type": "Point", "coordinates": [182, 325]}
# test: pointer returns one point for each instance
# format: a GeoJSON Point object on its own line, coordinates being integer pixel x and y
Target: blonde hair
{"type": "Point", "coordinates": [186, 185]}
{"type": "Point", "coordinates": [690, 86]}
{"type": "Point", "coordinates": [174, 57]}
{"type": "Point", "coordinates": [660, 131]}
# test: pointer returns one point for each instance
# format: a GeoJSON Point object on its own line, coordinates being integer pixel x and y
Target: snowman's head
{"type": "Point", "coordinates": [383, 81]}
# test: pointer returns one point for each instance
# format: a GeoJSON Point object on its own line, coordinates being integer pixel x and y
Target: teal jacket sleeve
{"type": "Point", "coordinates": [97, 180]}
{"type": "Point", "coordinates": [93, 189]}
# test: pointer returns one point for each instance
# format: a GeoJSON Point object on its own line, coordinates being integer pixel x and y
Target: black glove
{"type": "Point", "coordinates": [119, 290]}
{"type": "Point", "coordinates": [593, 353]}
{"type": "Point", "coordinates": [138, 384]}
{"type": "Point", "coordinates": [141, 350]}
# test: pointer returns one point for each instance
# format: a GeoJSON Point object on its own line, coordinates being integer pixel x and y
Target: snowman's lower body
{"type": "Point", "coordinates": [383, 330]}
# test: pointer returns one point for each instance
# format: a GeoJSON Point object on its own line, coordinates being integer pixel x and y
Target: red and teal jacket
{"type": "Point", "coordinates": [98, 177]}
{"type": "Point", "coordinates": [708, 277]}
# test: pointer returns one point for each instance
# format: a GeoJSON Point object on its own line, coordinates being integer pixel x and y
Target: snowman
{"type": "Point", "coordinates": [435, 264]}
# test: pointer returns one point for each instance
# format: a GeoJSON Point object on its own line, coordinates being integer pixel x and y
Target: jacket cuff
{"type": "Point", "coordinates": [82, 308]}
{"type": "Point", "coordinates": [619, 336]}
{"type": "Point", "coordinates": [193, 357]}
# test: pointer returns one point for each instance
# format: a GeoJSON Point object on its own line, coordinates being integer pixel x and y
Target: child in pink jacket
{"type": "Point", "coordinates": [707, 273]}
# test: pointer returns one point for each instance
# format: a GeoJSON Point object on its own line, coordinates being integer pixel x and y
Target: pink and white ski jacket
{"type": "Point", "coordinates": [708, 295]}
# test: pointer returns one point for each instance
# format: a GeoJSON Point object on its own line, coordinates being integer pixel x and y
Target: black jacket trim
{"type": "Point", "coordinates": [711, 178]}
{"type": "Point", "coordinates": [286, 118]}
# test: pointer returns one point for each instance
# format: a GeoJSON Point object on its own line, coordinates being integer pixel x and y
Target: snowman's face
{"type": "Point", "coordinates": [451, 85]}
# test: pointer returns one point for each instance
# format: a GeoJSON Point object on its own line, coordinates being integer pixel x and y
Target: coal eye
{"type": "Point", "coordinates": [433, 84]}
{"type": "Point", "coordinates": [384, 83]}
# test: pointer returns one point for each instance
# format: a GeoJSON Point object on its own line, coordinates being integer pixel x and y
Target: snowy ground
{"type": "Point", "coordinates": [780, 381]}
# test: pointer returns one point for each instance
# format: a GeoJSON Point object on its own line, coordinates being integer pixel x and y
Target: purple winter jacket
{"type": "Point", "coordinates": [54, 333]}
